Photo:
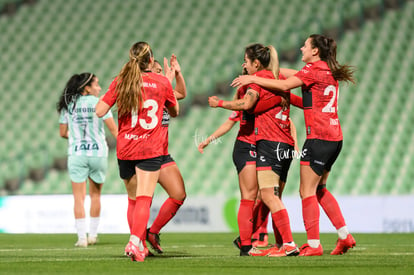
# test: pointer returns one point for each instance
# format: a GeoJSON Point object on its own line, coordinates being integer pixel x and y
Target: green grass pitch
{"type": "Point", "coordinates": [199, 253]}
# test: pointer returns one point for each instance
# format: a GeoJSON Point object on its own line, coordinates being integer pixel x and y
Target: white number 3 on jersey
{"type": "Point", "coordinates": [152, 114]}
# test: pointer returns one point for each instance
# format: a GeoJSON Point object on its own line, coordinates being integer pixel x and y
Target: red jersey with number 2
{"type": "Point", "coordinates": [273, 124]}
{"type": "Point", "coordinates": [320, 102]}
{"type": "Point", "coordinates": [140, 135]}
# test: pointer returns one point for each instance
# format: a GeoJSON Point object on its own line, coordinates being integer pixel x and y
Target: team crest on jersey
{"type": "Point", "coordinates": [253, 154]}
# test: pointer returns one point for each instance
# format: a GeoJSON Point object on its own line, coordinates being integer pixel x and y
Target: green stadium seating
{"type": "Point", "coordinates": [47, 42]}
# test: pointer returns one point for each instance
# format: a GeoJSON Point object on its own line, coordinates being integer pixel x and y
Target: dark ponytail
{"type": "Point", "coordinates": [327, 53]}
{"type": "Point", "coordinates": [73, 89]}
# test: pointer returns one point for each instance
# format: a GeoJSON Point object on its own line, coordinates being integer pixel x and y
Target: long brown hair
{"type": "Point", "coordinates": [130, 93]}
{"type": "Point", "coordinates": [327, 53]}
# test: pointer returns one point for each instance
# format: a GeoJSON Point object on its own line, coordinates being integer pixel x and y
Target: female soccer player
{"type": "Point", "coordinates": [275, 145]}
{"type": "Point", "coordinates": [170, 178]}
{"type": "Point", "coordinates": [140, 96]}
{"type": "Point", "coordinates": [87, 150]}
{"type": "Point", "coordinates": [319, 81]}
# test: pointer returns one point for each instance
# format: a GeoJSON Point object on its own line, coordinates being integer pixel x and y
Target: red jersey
{"type": "Point", "coordinates": [273, 124]}
{"type": "Point", "coordinates": [246, 131]}
{"type": "Point", "coordinates": [320, 102]}
{"type": "Point", "coordinates": [140, 135]}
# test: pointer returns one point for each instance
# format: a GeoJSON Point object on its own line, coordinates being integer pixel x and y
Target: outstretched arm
{"type": "Point", "coordinates": [267, 83]}
{"type": "Point", "coordinates": [223, 129]}
{"type": "Point", "coordinates": [245, 103]}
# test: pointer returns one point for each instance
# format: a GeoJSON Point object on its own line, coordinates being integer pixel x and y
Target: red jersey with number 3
{"type": "Point", "coordinates": [320, 102]}
{"type": "Point", "coordinates": [273, 124]}
{"type": "Point", "coordinates": [140, 135]}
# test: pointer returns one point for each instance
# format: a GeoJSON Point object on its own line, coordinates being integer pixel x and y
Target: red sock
{"type": "Point", "coordinates": [130, 213]}
{"type": "Point", "coordinates": [260, 217]}
{"type": "Point", "coordinates": [331, 207]}
{"type": "Point", "coordinates": [282, 223]}
{"type": "Point", "coordinates": [245, 221]}
{"type": "Point", "coordinates": [278, 237]}
{"type": "Point", "coordinates": [310, 213]}
{"type": "Point", "coordinates": [166, 213]}
{"type": "Point", "coordinates": [141, 216]}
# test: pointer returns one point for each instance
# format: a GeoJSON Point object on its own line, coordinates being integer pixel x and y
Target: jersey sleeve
{"type": "Point", "coordinates": [63, 118]}
{"type": "Point", "coordinates": [266, 104]}
{"type": "Point", "coordinates": [306, 75]}
{"type": "Point", "coordinates": [170, 100]}
{"type": "Point", "coordinates": [296, 101]}
{"type": "Point", "coordinates": [107, 115]}
{"type": "Point", "coordinates": [235, 116]}
{"type": "Point", "coordinates": [110, 96]}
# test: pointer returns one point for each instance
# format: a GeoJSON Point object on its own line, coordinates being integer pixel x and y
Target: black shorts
{"type": "Point", "coordinates": [243, 154]}
{"type": "Point", "coordinates": [276, 156]}
{"type": "Point", "coordinates": [127, 167]}
{"type": "Point", "coordinates": [320, 154]}
{"type": "Point", "coordinates": [167, 160]}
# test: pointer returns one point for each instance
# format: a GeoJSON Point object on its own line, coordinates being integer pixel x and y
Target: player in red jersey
{"type": "Point", "coordinates": [275, 145]}
{"type": "Point", "coordinates": [140, 96]}
{"type": "Point", "coordinates": [170, 177]}
{"type": "Point", "coordinates": [244, 158]}
{"type": "Point", "coordinates": [319, 81]}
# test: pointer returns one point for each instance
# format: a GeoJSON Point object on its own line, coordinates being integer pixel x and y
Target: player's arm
{"type": "Point", "coordinates": [180, 89]}
{"type": "Point", "coordinates": [267, 83]}
{"type": "Point", "coordinates": [243, 104]}
{"type": "Point", "coordinates": [294, 135]}
{"type": "Point", "coordinates": [63, 130]}
{"type": "Point", "coordinates": [223, 129]}
{"type": "Point", "coordinates": [110, 123]}
{"type": "Point", "coordinates": [102, 107]}
{"type": "Point", "coordinates": [288, 72]}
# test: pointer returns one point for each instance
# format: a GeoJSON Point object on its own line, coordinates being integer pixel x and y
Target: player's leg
{"type": "Point", "coordinates": [95, 210]}
{"type": "Point", "coordinates": [172, 182]}
{"type": "Point", "coordinates": [147, 172]}
{"type": "Point", "coordinates": [269, 188]}
{"type": "Point", "coordinates": [78, 173]}
{"type": "Point", "coordinates": [97, 171]}
{"type": "Point", "coordinates": [248, 190]}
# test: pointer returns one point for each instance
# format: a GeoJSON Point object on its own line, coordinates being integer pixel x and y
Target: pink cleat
{"type": "Point", "coordinates": [306, 250]}
{"type": "Point", "coordinates": [134, 253]}
{"type": "Point", "coordinates": [342, 246]}
{"type": "Point", "coordinates": [285, 250]}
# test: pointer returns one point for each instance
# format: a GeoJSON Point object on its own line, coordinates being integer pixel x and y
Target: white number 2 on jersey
{"type": "Point", "coordinates": [151, 114]}
{"type": "Point", "coordinates": [329, 107]}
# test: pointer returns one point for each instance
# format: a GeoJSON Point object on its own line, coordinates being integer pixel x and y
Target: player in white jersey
{"type": "Point", "coordinates": [87, 149]}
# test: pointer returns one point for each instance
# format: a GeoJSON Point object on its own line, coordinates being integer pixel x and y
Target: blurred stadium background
{"type": "Point", "coordinates": [43, 42]}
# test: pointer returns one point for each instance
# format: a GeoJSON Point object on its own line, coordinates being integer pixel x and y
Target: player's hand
{"type": "Point", "coordinates": [169, 72]}
{"type": "Point", "coordinates": [202, 145]}
{"type": "Point", "coordinates": [213, 101]}
{"type": "Point", "coordinates": [174, 64]}
{"type": "Point", "coordinates": [242, 80]}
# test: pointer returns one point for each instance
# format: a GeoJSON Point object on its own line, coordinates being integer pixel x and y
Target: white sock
{"type": "Point", "coordinates": [292, 243]}
{"type": "Point", "coordinates": [343, 232]}
{"type": "Point", "coordinates": [80, 225]}
{"type": "Point", "coordinates": [136, 241]}
{"type": "Point", "coordinates": [93, 226]}
{"type": "Point", "coordinates": [314, 243]}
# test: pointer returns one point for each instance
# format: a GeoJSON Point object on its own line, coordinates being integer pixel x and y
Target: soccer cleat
{"type": "Point", "coordinates": [81, 243]}
{"type": "Point", "coordinates": [285, 250]}
{"type": "Point", "coordinates": [154, 240]}
{"type": "Point", "coordinates": [92, 240]}
{"type": "Point", "coordinates": [134, 253]}
{"type": "Point", "coordinates": [263, 240]}
{"type": "Point", "coordinates": [306, 250]}
{"type": "Point", "coordinates": [237, 243]}
{"type": "Point", "coordinates": [249, 250]}
{"type": "Point", "coordinates": [342, 246]}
